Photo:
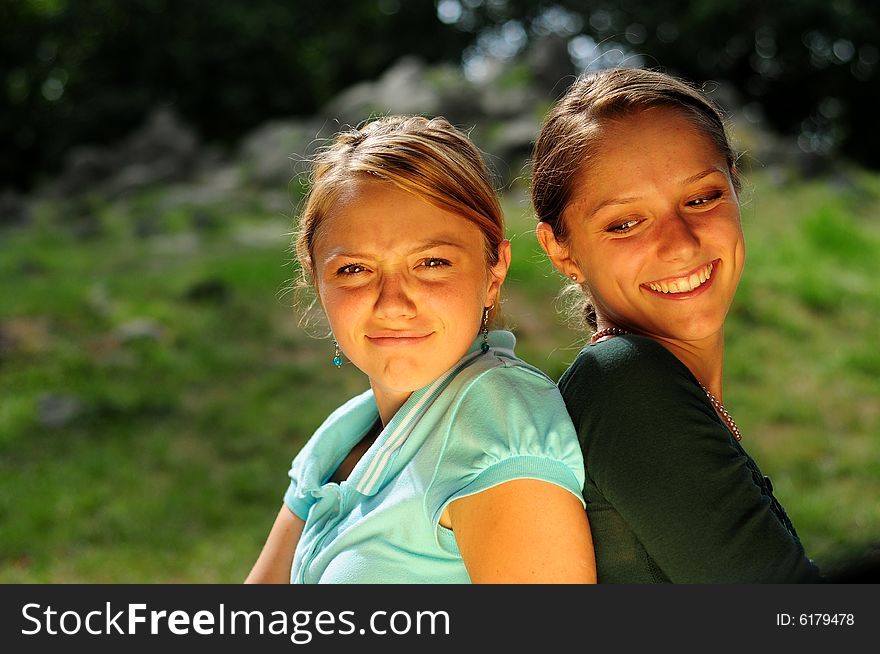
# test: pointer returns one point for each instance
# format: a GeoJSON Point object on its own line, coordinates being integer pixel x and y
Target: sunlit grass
{"type": "Point", "coordinates": [192, 384]}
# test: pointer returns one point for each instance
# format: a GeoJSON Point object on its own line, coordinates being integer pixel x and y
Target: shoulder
{"type": "Point", "coordinates": [624, 369]}
{"type": "Point", "coordinates": [499, 384]}
{"type": "Point", "coordinates": [631, 394]}
{"type": "Point", "coordinates": [501, 369]}
{"type": "Point", "coordinates": [506, 407]}
{"type": "Point", "coordinates": [505, 420]}
{"type": "Point", "coordinates": [627, 359]}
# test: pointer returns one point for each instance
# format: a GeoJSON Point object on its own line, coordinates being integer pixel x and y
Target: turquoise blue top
{"type": "Point", "coordinates": [491, 418]}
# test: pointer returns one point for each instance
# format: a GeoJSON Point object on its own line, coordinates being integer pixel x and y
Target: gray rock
{"type": "Point", "coordinates": [219, 186]}
{"type": "Point", "coordinates": [508, 102]}
{"type": "Point", "coordinates": [402, 89]}
{"type": "Point", "coordinates": [140, 328]}
{"type": "Point", "coordinates": [57, 409]}
{"type": "Point", "coordinates": [459, 99]}
{"type": "Point", "coordinates": [85, 168]}
{"type": "Point", "coordinates": [515, 137]}
{"type": "Point", "coordinates": [176, 245]}
{"type": "Point", "coordinates": [272, 154]}
{"type": "Point", "coordinates": [509, 145]}
{"type": "Point", "coordinates": [14, 210]}
{"type": "Point", "coordinates": [164, 149]}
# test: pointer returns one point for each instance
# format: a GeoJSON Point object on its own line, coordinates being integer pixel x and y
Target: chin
{"type": "Point", "coordinates": [406, 378]}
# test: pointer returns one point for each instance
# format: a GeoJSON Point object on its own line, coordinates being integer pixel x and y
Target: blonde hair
{"type": "Point", "coordinates": [429, 158]}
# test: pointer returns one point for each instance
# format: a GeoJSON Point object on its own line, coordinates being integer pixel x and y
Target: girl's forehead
{"type": "Point", "coordinates": [659, 137]}
{"type": "Point", "coordinates": [648, 152]}
{"type": "Point", "coordinates": [386, 219]}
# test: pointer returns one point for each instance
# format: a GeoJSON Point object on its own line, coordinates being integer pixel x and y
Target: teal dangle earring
{"type": "Point", "coordinates": [337, 357]}
{"type": "Point", "coordinates": [484, 346]}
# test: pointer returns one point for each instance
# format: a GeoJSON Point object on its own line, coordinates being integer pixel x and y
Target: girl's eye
{"type": "Point", "coordinates": [435, 263]}
{"type": "Point", "coordinates": [625, 226]}
{"type": "Point", "coordinates": [351, 269]}
{"type": "Point", "coordinates": [701, 201]}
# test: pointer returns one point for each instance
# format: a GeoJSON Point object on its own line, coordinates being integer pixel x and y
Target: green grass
{"type": "Point", "coordinates": [168, 331]}
{"type": "Point", "coordinates": [803, 374]}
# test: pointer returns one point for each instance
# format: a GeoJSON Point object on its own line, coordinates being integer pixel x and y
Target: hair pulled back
{"type": "Point", "coordinates": [572, 134]}
{"type": "Point", "coordinates": [429, 158]}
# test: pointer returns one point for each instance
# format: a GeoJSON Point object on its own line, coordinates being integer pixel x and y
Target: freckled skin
{"type": "Point", "coordinates": [667, 225]}
{"type": "Point", "coordinates": [388, 263]}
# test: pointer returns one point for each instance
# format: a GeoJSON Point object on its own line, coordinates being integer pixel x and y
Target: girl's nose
{"type": "Point", "coordinates": [395, 299]}
{"type": "Point", "coordinates": [677, 238]}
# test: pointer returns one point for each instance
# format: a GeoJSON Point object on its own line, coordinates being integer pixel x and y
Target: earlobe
{"type": "Point", "coordinates": [559, 253]}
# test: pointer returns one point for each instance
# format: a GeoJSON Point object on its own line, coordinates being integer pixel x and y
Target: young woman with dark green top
{"type": "Point", "coordinates": [636, 192]}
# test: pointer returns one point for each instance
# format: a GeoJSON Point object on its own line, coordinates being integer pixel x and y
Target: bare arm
{"type": "Point", "coordinates": [273, 564]}
{"type": "Point", "coordinates": [524, 531]}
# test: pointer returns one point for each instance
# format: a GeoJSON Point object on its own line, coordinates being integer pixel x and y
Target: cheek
{"type": "Point", "coordinates": [454, 303]}
{"type": "Point", "coordinates": [732, 240]}
{"type": "Point", "coordinates": [740, 255]}
{"type": "Point", "coordinates": [343, 308]}
{"type": "Point", "coordinates": [602, 265]}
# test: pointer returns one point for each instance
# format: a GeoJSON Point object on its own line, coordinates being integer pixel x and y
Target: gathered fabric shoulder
{"type": "Point", "coordinates": [506, 422]}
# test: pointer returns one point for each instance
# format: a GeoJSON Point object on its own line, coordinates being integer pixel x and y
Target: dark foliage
{"type": "Point", "coordinates": [88, 71]}
{"type": "Point", "coordinates": [811, 67]}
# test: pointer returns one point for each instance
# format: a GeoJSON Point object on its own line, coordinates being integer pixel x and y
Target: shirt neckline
{"type": "Point", "coordinates": [369, 473]}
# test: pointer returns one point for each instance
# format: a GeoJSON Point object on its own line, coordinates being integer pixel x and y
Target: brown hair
{"type": "Point", "coordinates": [429, 158]}
{"type": "Point", "coordinates": [571, 133]}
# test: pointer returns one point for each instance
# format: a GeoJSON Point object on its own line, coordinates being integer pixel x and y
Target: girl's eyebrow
{"type": "Point", "coordinates": [701, 175]}
{"type": "Point", "coordinates": [632, 198]}
{"type": "Point", "coordinates": [436, 243]}
{"type": "Point", "coordinates": [424, 245]}
{"type": "Point", "coordinates": [610, 202]}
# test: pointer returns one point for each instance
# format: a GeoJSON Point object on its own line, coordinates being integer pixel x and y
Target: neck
{"type": "Point", "coordinates": [388, 403]}
{"type": "Point", "coordinates": [704, 358]}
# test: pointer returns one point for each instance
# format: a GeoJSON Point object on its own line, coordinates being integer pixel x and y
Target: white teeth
{"type": "Point", "coordinates": [684, 285]}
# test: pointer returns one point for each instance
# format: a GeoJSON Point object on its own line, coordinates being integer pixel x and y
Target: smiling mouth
{"type": "Point", "coordinates": [685, 283]}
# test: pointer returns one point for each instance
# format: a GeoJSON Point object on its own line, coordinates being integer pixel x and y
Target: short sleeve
{"type": "Point", "coordinates": [508, 423]}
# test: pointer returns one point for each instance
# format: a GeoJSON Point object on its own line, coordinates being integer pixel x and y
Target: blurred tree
{"type": "Point", "coordinates": [89, 70]}
{"type": "Point", "coordinates": [809, 67]}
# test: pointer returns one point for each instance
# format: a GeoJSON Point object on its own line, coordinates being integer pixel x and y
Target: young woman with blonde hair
{"type": "Point", "coordinates": [460, 463]}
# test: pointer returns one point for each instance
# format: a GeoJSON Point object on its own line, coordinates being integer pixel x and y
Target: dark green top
{"type": "Point", "coordinates": [671, 495]}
